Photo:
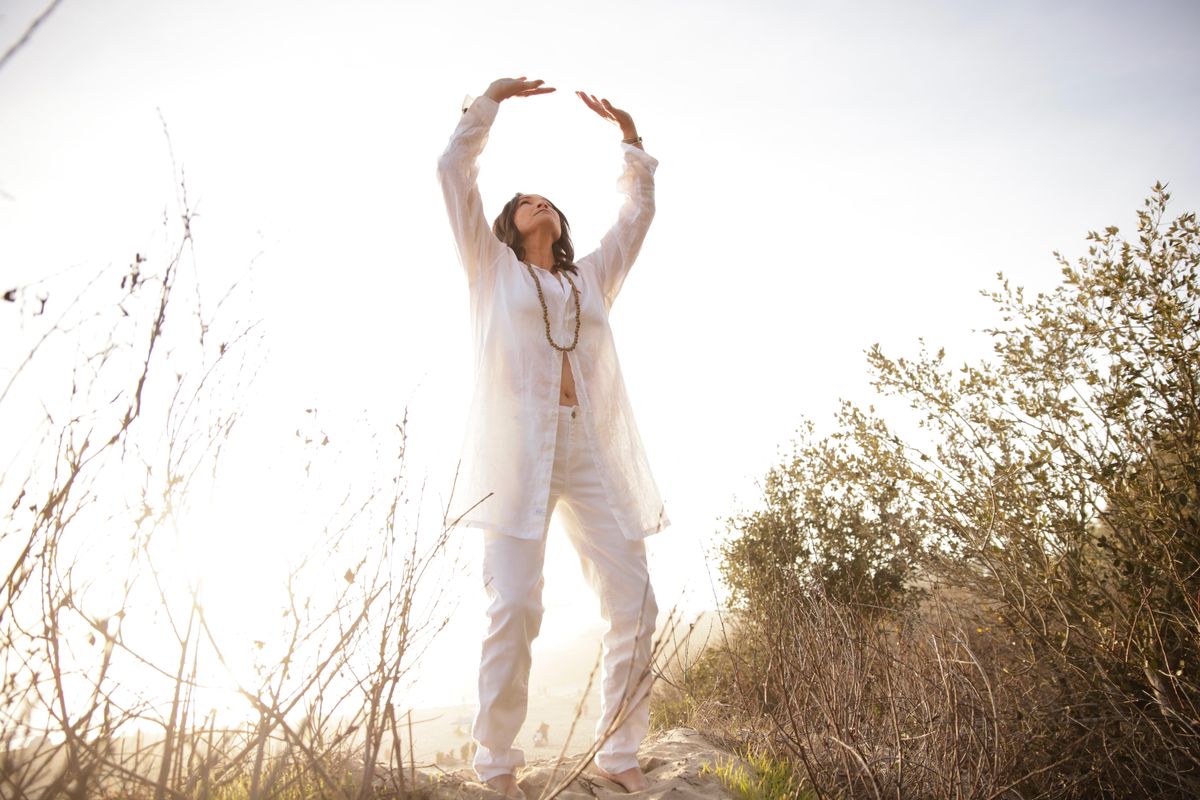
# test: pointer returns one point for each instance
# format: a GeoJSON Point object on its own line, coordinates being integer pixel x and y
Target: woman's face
{"type": "Point", "coordinates": [535, 214]}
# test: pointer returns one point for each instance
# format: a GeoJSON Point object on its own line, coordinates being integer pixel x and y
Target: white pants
{"type": "Point", "coordinates": [616, 569]}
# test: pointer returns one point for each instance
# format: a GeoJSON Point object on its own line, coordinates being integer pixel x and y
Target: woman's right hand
{"type": "Point", "coordinates": [504, 88]}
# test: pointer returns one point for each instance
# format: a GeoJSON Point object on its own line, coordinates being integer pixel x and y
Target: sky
{"type": "Point", "coordinates": [831, 175]}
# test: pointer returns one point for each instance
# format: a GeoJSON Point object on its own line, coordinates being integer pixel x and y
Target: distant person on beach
{"type": "Point", "coordinates": [550, 420]}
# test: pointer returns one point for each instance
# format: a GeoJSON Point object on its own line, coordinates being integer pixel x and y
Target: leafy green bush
{"type": "Point", "coordinates": [838, 517]}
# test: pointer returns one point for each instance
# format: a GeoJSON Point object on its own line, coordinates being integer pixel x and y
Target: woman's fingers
{"type": "Point", "coordinates": [596, 104]}
{"type": "Point", "coordinates": [585, 99]}
{"type": "Point", "coordinates": [518, 87]}
{"type": "Point", "coordinates": [532, 87]}
{"type": "Point", "coordinates": [606, 109]}
{"type": "Point", "coordinates": [613, 111]}
{"type": "Point", "coordinates": [593, 104]}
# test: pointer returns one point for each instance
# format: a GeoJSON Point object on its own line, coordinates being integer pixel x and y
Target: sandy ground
{"type": "Point", "coordinates": [673, 761]}
{"type": "Point", "coordinates": [448, 730]}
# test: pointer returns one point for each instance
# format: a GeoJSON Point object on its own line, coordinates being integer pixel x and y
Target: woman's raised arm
{"type": "Point", "coordinates": [458, 171]}
{"type": "Point", "coordinates": [620, 246]}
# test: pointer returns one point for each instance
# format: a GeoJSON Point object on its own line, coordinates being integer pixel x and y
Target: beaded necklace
{"type": "Point", "coordinates": [546, 312]}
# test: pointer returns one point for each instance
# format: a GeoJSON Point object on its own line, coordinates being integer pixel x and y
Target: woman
{"type": "Point", "coordinates": [550, 420]}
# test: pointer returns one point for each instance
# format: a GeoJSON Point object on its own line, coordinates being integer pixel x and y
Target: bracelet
{"type": "Point", "coordinates": [632, 141]}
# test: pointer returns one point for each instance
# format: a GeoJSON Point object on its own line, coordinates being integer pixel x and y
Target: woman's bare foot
{"type": "Point", "coordinates": [633, 779]}
{"type": "Point", "coordinates": [506, 785]}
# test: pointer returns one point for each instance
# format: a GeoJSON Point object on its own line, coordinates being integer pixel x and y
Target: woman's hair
{"type": "Point", "coordinates": [506, 231]}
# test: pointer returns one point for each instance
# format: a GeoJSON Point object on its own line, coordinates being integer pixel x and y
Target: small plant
{"type": "Point", "coordinates": [766, 778]}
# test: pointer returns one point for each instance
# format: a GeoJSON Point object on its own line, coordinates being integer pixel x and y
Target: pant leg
{"type": "Point", "coordinates": [617, 571]}
{"type": "Point", "coordinates": [512, 574]}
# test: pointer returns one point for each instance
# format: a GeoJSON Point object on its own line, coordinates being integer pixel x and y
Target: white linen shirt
{"type": "Point", "coordinates": [507, 452]}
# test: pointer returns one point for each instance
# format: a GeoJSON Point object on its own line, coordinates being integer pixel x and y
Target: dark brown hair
{"type": "Point", "coordinates": [506, 231]}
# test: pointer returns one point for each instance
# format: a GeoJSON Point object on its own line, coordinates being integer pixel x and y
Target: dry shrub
{"type": "Point", "coordinates": [1050, 503]}
{"type": "Point", "coordinates": [912, 704]}
{"type": "Point", "coordinates": [118, 410]}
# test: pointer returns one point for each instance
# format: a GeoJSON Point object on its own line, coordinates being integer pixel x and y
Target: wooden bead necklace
{"type": "Point", "coordinates": [546, 312]}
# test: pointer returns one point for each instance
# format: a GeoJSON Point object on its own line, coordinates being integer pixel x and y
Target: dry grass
{"type": "Point", "coordinates": [938, 701]}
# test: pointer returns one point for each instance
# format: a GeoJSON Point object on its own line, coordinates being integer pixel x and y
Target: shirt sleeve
{"type": "Point", "coordinates": [457, 171]}
{"type": "Point", "coordinates": [619, 247]}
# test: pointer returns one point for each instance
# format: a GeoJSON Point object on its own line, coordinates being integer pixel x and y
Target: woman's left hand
{"type": "Point", "coordinates": [610, 113]}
